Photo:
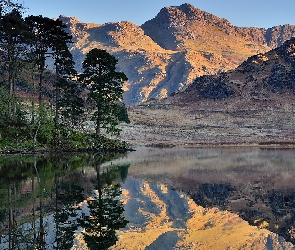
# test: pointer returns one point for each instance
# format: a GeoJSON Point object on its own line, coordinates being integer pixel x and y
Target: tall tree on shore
{"type": "Point", "coordinates": [13, 33]}
{"type": "Point", "coordinates": [105, 88]}
{"type": "Point", "coordinates": [39, 45]}
{"type": "Point", "coordinates": [12, 30]}
{"type": "Point", "coordinates": [70, 103]}
{"type": "Point", "coordinates": [48, 38]}
{"type": "Point", "coordinates": [64, 72]}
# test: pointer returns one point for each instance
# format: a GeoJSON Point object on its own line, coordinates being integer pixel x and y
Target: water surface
{"type": "Point", "coordinates": [256, 184]}
{"type": "Point", "coordinates": [177, 198]}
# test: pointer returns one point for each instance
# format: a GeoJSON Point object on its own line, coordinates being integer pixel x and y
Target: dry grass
{"type": "Point", "coordinates": [203, 123]}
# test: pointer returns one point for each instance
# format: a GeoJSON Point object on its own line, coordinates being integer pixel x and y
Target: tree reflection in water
{"type": "Point", "coordinates": [105, 212]}
{"type": "Point", "coordinates": [41, 201]}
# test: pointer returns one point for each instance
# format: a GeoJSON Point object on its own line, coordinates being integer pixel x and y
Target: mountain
{"type": "Point", "coordinates": [168, 52]}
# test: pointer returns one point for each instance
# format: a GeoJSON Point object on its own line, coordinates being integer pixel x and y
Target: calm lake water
{"type": "Point", "coordinates": [149, 199]}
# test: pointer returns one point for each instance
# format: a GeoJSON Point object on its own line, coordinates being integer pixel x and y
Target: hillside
{"type": "Point", "coordinates": [256, 79]}
{"type": "Point", "coordinates": [168, 52]}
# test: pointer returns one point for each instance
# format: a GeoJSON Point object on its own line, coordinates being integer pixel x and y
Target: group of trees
{"type": "Point", "coordinates": [60, 97]}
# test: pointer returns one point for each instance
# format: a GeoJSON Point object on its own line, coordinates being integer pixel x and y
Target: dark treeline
{"type": "Point", "coordinates": [42, 108]}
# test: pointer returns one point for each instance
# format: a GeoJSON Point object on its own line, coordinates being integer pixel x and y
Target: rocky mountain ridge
{"type": "Point", "coordinates": [256, 79]}
{"type": "Point", "coordinates": [167, 53]}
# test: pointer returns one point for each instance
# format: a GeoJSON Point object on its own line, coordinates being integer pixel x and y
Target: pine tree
{"type": "Point", "coordinates": [105, 88]}
{"type": "Point", "coordinates": [13, 31]}
{"type": "Point", "coordinates": [48, 38]}
{"type": "Point", "coordinates": [70, 102]}
{"type": "Point", "coordinates": [67, 93]}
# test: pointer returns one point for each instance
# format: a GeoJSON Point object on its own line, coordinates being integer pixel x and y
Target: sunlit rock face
{"type": "Point", "coordinates": [167, 53]}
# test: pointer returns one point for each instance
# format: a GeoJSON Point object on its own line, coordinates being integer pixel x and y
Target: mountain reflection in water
{"type": "Point", "coordinates": [255, 184]}
{"type": "Point", "coordinates": [177, 198]}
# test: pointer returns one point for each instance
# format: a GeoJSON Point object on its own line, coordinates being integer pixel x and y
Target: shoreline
{"type": "Point", "coordinates": [62, 151]}
{"type": "Point", "coordinates": [277, 146]}
{"type": "Point", "coordinates": [156, 145]}
{"type": "Point", "coordinates": [222, 145]}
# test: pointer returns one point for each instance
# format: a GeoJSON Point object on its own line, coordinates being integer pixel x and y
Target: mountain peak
{"type": "Point", "coordinates": [189, 13]}
{"type": "Point", "coordinates": [174, 22]}
{"type": "Point", "coordinates": [67, 19]}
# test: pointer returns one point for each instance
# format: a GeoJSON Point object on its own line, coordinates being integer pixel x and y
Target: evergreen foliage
{"type": "Point", "coordinates": [50, 116]}
{"type": "Point", "coordinates": [106, 212]}
{"type": "Point", "coordinates": [105, 88]}
{"type": "Point", "coordinates": [58, 187]}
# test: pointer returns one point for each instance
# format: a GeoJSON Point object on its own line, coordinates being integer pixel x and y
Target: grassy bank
{"type": "Point", "coordinates": [28, 138]}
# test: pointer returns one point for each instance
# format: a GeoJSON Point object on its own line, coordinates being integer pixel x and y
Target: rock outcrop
{"type": "Point", "coordinates": [256, 78]}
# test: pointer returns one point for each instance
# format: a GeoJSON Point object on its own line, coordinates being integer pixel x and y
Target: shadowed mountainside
{"type": "Point", "coordinates": [251, 105]}
{"type": "Point", "coordinates": [256, 79]}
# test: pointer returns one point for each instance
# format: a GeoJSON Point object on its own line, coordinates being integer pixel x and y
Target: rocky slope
{"type": "Point", "coordinates": [256, 79]}
{"type": "Point", "coordinates": [168, 52]}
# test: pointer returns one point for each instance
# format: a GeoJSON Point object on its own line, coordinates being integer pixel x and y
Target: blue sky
{"type": "Point", "coordinates": [245, 13]}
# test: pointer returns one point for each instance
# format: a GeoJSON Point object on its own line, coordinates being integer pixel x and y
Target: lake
{"type": "Point", "coordinates": [152, 198]}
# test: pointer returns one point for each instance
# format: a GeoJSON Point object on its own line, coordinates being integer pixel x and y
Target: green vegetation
{"type": "Point", "coordinates": [45, 110]}
{"type": "Point", "coordinates": [105, 88]}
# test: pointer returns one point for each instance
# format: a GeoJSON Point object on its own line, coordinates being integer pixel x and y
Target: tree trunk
{"type": "Point", "coordinates": [56, 98]}
{"type": "Point", "coordinates": [98, 125]}
{"type": "Point", "coordinates": [97, 131]}
{"type": "Point", "coordinates": [40, 89]}
{"type": "Point", "coordinates": [33, 100]}
{"type": "Point", "coordinates": [41, 70]}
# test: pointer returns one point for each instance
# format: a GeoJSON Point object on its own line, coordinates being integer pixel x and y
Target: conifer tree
{"type": "Point", "coordinates": [67, 93]}
{"type": "Point", "coordinates": [13, 33]}
{"type": "Point", "coordinates": [105, 88]}
{"type": "Point", "coordinates": [48, 38]}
